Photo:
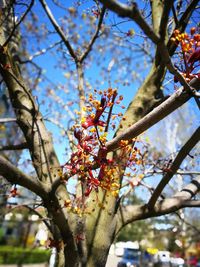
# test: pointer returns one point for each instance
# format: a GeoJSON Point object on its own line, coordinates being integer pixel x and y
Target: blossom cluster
{"type": "Point", "coordinates": [189, 53]}
{"type": "Point", "coordinates": [91, 163]}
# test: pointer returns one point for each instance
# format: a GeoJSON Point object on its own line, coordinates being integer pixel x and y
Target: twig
{"type": "Point", "coordinates": [18, 23]}
{"type": "Point", "coordinates": [193, 140]}
{"type": "Point", "coordinates": [178, 201]}
{"type": "Point", "coordinates": [15, 176]}
{"type": "Point", "coordinates": [168, 106]}
{"type": "Point", "coordinates": [174, 15]}
{"type": "Point", "coordinates": [41, 52]}
{"type": "Point", "coordinates": [37, 213]}
{"type": "Point", "coordinates": [6, 120]}
{"type": "Point", "coordinates": [14, 147]}
{"type": "Point", "coordinates": [95, 36]}
{"type": "Point", "coordinates": [110, 113]}
{"type": "Point", "coordinates": [58, 29]}
{"type": "Point", "coordinates": [132, 12]}
{"type": "Point", "coordinates": [178, 172]}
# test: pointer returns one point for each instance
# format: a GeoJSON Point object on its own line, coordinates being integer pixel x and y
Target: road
{"type": "Point", "coordinates": [112, 261]}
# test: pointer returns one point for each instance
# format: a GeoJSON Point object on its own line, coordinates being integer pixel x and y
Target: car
{"type": "Point", "coordinates": [177, 262]}
{"type": "Point", "coordinates": [131, 258]}
{"type": "Point", "coordinates": [162, 259]}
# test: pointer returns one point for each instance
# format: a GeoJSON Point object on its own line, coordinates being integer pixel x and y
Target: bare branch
{"type": "Point", "coordinates": [41, 52]}
{"type": "Point", "coordinates": [192, 204]}
{"type": "Point", "coordinates": [15, 176]}
{"type": "Point", "coordinates": [33, 210]}
{"type": "Point", "coordinates": [178, 172]}
{"type": "Point", "coordinates": [95, 36]}
{"type": "Point", "coordinates": [168, 106]}
{"type": "Point", "coordinates": [187, 14]}
{"type": "Point", "coordinates": [14, 147]}
{"type": "Point", "coordinates": [165, 17]}
{"type": "Point", "coordinates": [160, 16]}
{"type": "Point", "coordinates": [18, 23]}
{"type": "Point", "coordinates": [190, 225]}
{"type": "Point", "coordinates": [133, 13]}
{"type": "Point", "coordinates": [58, 29]}
{"type": "Point", "coordinates": [40, 144]}
{"type": "Point", "coordinates": [44, 220]}
{"type": "Point", "coordinates": [189, 145]}
{"type": "Point", "coordinates": [5, 120]}
{"type": "Point", "coordinates": [174, 15]}
{"type": "Point", "coordinates": [180, 200]}
{"type": "Point", "coordinates": [190, 190]}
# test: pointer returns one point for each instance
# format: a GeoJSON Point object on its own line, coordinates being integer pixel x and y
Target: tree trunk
{"type": "Point", "coordinates": [100, 229]}
{"type": "Point", "coordinates": [98, 257]}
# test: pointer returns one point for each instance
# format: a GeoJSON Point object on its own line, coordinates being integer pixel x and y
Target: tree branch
{"type": "Point", "coordinates": [15, 176]}
{"type": "Point", "coordinates": [44, 220]}
{"type": "Point", "coordinates": [133, 13]}
{"type": "Point", "coordinates": [192, 204]}
{"type": "Point", "coordinates": [18, 23]}
{"type": "Point", "coordinates": [181, 172]}
{"type": "Point", "coordinates": [165, 17]}
{"type": "Point", "coordinates": [180, 200]}
{"type": "Point", "coordinates": [14, 147]}
{"type": "Point", "coordinates": [168, 106]}
{"type": "Point", "coordinates": [173, 70]}
{"type": "Point", "coordinates": [183, 22]}
{"type": "Point", "coordinates": [29, 119]}
{"type": "Point", "coordinates": [150, 91]}
{"type": "Point", "coordinates": [95, 36]}
{"type": "Point", "coordinates": [5, 120]}
{"type": "Point", "coordinates": [189, 145]}
{"type": "Point", "coordinates": [58, 29]}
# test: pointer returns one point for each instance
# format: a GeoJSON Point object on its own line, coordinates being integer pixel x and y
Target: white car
{"type": "Point", "coordinates": [177, 262]}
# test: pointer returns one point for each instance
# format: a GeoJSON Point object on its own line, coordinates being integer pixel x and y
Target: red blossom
{"type": "Point", "coordinates": [102, 152]}
{"type": "Point", "coordinates": [92, 183]}
{"type": "Point", "coordinates": [168, 170]}
{"type": "Point", "coordinates": [101, 172]}
{"type": "Point", "coordinates": [51, 243]}
{"type": "Point", "coordinates": [91, 152]}
{"type": "Point", "coordinates": [195, 56]}
{"type": "Point", "coordinates": [13, 192]}
{"type": "Point", "coordinates": [96, 13]}
{"type": "Point", "coordinates": [84, 142]}
{"type": "Point", "coordinates": [130, 33]}
{"type": "Point", "coordinates": [7, 66]}
{"type": "Point", "coordinates": [78, 134]}
{"type": "Point", "coordinates": [79, 238]}
{"type": "Point", "coordinates": [90, 121]}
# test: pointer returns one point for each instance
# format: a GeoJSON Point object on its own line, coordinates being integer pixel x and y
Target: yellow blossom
{"type": "Point", "coordinates": [141, 176]}
{"type": "Point", "coordinates": [123, 143]}
{"type": "Point", "coordinates": [83, 120]}
{"type": "Point", "coordinates": [115, 193]}
{"type": "Point", "coordinates": [93, 130]}
{"type": "Point", "coordinates": [116, 185]}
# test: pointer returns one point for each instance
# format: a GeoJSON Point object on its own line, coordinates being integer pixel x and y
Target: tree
{"type": "Point", "coordinates": [85, 220]}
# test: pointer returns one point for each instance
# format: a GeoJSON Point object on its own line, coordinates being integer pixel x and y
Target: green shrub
{"type": "Point", "coordinates": [18, 255]}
